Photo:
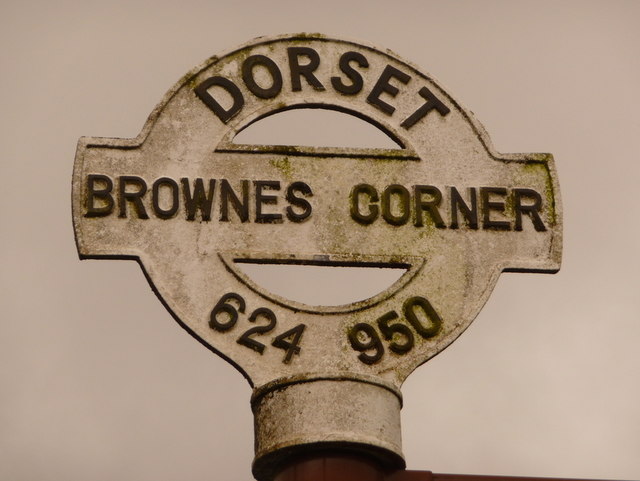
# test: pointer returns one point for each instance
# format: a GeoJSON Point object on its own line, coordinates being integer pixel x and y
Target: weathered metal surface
{"type": "Point", "coordinates": [338, 414]}
{"type": "Point", "coordinates": [189, 204]}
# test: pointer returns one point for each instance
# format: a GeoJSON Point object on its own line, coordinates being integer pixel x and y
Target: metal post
{"type": "Point", "coordinates": [341, 467]}
{"type": "Point", "coordinates": [333, 467]}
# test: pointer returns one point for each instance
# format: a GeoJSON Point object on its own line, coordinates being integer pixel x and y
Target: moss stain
{"type": "Point", "coordinates": [283, 164]}
{"type": "Point", "coordinates": [533, 167]}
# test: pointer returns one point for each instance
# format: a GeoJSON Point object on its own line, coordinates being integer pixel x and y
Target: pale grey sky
{"type": "Point", "coordinates": [98, 382]}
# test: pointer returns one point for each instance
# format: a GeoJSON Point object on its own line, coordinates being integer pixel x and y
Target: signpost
{"type": "Point", "coordinates": [190, 205]}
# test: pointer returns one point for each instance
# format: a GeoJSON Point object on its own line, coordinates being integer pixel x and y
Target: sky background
{"type": "Point", "coordinates": [98, 382]}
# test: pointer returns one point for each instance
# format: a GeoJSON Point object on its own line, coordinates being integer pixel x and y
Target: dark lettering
{"type": "Point", "coordinates": [470, 214]}
{"type": "Point", "coordinates": [356, 214]}
{"type": "Point", "coordinates": [532, 210]}
{"type": "Point", "coordinates": [200, 200]}
{"type": "Point", "coordinates": [488, 205]}
{"type": "Point", "coordinates": [103, 194]}
{"type": "Point", "coordinates": [430, 206]}
{"type": "Point", "coordinates": [202, 91]}
{"type": "Point", "coordinates": [346, 68]}
{"type": "Point", "coordinates": [227, 195]}
{"type": "Point", "coordinates": [305, 70]}
{"type": "Point", "coordinates": [173, 186]}
{"type": "Point", "coordinates": [383, 85]}
{"type": "Point", "coordinates": [432, 102]}
{"type": "Point", "coordinates": [276, 77]}
{"type": "Point", "coordinates": [262, 199]}
{"type": "Point", "coordinates": [134, 197]}
{"type": "Point", "coordinates": [299, 202]}
{"type": "Point", "coordinates": [404, 204]}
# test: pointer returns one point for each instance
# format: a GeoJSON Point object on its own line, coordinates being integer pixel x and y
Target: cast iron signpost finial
{"type": "Point", "coordinates": [190, 206]}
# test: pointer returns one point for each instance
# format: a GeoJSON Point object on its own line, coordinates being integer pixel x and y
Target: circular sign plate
{"type": "Point", "coordinates": [191, 205]}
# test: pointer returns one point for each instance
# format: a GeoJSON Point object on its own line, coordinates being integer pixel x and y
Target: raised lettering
{"type": "Point", "coordinates": [103, 195]}
{"type": "Point", "coordinates": [134, 197]}
{"type": "Point", "coordinates": [403, 203]}
{"type": "Point", "coordinates": [352, 74]}
{"type": "Point", "coordinates": [469, 213]}
{"type": "Point", "coordinates": [262, 199]}
{"type": "Point", "coordinates": [432, 103]}
{"type": "Point", "coordinates": [489, 205]}
{"type": "Point", "coordinates": [228, 195]}
{"type": "Point", "coordinates": [306, 70]}
{"type": "Point", "coordinates": [202, 91]}
{"type": "Point", "coordinates": [532, 210]}
{"type": "Point", "coordinates": [155, 195]}
{"type": "Point", "coordinates": [299, 202]}
{"type": "Point", "coordinates": [199, 200]}
{"type": "Point", "coordinates": [248, 68]}
{"type": "Point", "coordinates": [383, 86]}
{"type": "Point", "coordinates": [430, 205]}
{"type": "Point", "coordinates": [370, 192]}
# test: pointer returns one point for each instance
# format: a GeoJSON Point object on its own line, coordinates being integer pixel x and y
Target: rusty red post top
{"type": "Point", "coordinates": [336, 467]}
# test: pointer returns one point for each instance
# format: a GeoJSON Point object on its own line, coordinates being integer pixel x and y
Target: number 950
{"type": "Point", "coordinates": [365, 338]}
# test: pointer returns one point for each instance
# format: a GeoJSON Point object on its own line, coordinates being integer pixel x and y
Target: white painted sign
{"type": "Point", "coordinates": [190, 205]}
